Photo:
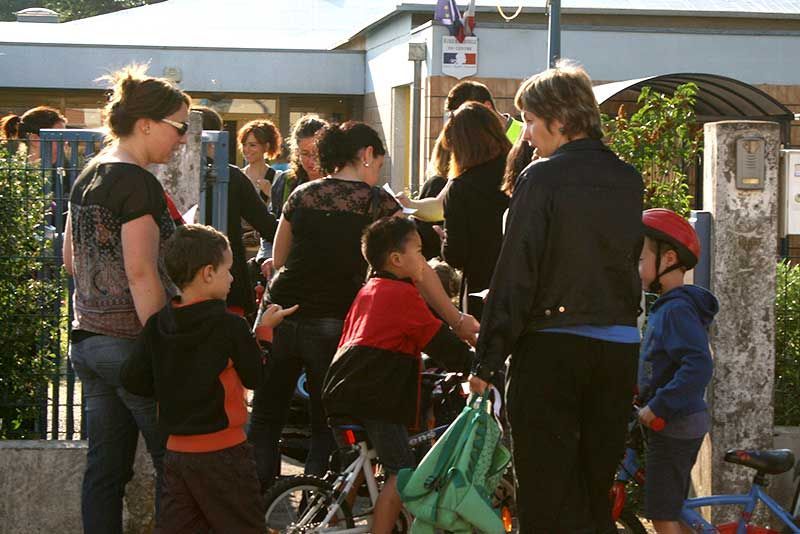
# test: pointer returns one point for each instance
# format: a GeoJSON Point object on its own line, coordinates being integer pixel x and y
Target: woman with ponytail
{"type": "Point", "coordinates": [116, 228]}
{"type": "Point", "coordinates": [27, 126]}
{"type": "Point", "coordinates": [317, 254]}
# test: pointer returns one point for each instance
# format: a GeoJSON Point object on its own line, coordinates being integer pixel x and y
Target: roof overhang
{"type": "Point", "coordinates": [718, 97]}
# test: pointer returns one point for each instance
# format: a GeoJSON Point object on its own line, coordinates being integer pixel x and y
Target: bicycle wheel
{"type": "Point", "coordinates": [629, 523]}
{"type": "Point", "coordinates": [297, 504]}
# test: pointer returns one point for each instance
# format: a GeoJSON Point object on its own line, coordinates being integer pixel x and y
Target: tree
{"type": "Point", "coordinates": [661, 139]}
{"type": "Point", "coordinates": [70, 9]}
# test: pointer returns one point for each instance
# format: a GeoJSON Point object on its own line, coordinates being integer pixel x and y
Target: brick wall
{"type": "Point", "coordinates": [788, 95]}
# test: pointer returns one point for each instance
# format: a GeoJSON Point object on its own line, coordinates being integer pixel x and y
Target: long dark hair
{"type": "Point", "coordinates": [518, 158]}
{"type": "Point", "coordinates": [20, 127]}
{"type": "Point", "coordinates": [339, 144]}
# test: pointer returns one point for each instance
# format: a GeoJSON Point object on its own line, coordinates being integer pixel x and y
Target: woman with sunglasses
{"type": "Point", "coordinates": [117, 225]}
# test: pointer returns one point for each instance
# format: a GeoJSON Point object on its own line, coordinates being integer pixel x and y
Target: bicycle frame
{"type": "Point", "coordinates": [343, 485]}
{"type": "Point", "coordinates": [692, 518]}
{"type": "Point", "coordinates": [345, 481]}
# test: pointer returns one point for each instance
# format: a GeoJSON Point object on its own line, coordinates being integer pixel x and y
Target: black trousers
{"type": "Point", "coordinates": [569, 401]}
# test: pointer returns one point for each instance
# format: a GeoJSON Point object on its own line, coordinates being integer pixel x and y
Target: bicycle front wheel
{"type": "Point", "coordinates": [628, 523]}
{"type": "Point", "coordinates": [300, 503]}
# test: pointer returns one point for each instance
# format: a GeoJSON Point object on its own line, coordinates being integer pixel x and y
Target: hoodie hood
{"type": "Point", "coordinates": [701, 299]}
{"type": "Point", "coordinates": [191, 325]}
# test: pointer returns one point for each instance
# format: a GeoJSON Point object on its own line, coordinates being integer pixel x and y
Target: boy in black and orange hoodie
{"type": "Point", "coordinates": [196, 359]}
{"type": "Point", "coordinates": [375, 376]}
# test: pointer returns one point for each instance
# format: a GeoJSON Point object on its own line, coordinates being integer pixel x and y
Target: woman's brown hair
{"type": "Point", "coordinates": [265, 133]}
{"type": "Point", "coordinates": [563, 93]}
{"type": "Point", "coordinates": [439, 162]}
{"type": "Point", "coordinates": [473, 135]}
{"type": "Point", "coordinates": [518, 158]}
{"type": "Point", "coordinates": [20, 127]}
{"type": "Point", "coordinates": [134, 96]}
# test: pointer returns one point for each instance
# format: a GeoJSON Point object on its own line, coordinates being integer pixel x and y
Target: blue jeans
{"type": "Point", "coordinates": [114, 419]}
{"type": "Point", "coordinates": [296, 344]}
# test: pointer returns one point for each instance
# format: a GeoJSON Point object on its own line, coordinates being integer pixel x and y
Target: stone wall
{"type": "Point", "coordinates": [40, 485]}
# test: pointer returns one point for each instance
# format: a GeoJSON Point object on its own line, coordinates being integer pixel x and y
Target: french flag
{"type": "Point", "coordinates": [468, 24]}
{"type": "Point", "coordinates": [447, 13]}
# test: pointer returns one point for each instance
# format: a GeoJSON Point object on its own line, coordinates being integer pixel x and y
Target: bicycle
{"type": "Point", "coordinates": [310, 504]}
{"type": "Point", "coordinates": [765, 462]}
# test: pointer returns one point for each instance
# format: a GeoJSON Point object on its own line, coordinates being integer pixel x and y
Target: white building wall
{"type": "Point", "coordinates": [622, 55]}
{"type": "Point", "coordinates": [225, 70]}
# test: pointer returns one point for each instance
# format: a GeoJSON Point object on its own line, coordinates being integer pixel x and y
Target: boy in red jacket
{"type": "Point", "coordinates": [376, 372]}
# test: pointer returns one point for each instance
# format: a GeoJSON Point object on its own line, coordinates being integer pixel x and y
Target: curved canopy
{"type": "Point", "coordinates": [718, 97]}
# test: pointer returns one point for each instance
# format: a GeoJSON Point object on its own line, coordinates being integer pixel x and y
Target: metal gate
{"type": "Point", "coordinates": [52, 406]}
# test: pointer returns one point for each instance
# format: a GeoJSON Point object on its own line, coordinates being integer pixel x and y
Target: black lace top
{"type": "Point", "coordinates": [325, 269]}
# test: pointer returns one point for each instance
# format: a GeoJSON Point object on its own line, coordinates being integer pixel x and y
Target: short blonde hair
{"type": "Point", "coordinates": [562, 93]}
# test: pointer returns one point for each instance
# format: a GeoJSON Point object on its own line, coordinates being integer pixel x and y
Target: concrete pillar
{"type": "Point", "coordinates": [181, 176]}
{"type": "Point", "coordinates": [743, 259]}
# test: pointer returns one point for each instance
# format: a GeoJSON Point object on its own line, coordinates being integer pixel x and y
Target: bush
{"type": "Point", "coordinates": [660, 139]}
{"type": "Point", "coordinates": [787, 345]}
{"type": "Point", "coordinates": [29, 293]}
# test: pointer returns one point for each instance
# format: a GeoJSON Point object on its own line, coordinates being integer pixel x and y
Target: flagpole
{"type": "Point", "coordinates": [553, 32]}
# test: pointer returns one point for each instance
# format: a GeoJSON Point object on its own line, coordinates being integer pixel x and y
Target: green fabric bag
{"type": "Point", "coordinates": [452, 487]}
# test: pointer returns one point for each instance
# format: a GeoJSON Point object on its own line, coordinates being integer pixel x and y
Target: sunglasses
{"type": "Point", "coordinates": [181, 127]}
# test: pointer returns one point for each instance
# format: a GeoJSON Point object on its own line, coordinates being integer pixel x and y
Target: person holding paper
{"type": "Point", "coordinates": [473, 203]}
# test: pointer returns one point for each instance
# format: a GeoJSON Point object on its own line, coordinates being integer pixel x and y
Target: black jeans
{"type": "Point", "coordinates": [297, 344]}
{"type": "Point", "coordinates": [569, 402]}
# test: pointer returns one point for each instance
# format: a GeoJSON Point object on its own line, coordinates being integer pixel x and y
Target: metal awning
{"type": "Point", "coordinates": [718, 97]}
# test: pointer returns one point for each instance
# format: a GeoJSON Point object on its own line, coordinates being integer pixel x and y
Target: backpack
{"type": "Point", "coordinates": [452, 487]}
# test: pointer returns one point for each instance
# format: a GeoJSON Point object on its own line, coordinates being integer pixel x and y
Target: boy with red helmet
{"type": "Point", "coordinates": [675, 364]}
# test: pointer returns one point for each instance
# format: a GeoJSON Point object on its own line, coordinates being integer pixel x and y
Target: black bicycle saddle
{"type": "Point", "coordinates": [771, 462]}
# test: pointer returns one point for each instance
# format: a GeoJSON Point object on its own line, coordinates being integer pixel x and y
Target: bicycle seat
{"type": "Point", "coordinates": [348, 430]}
{"type": "Point", "coordinates": [771, 462]}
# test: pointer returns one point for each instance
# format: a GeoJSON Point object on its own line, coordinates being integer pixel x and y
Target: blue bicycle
{"type": "Point", "coordinates": [765, 462]}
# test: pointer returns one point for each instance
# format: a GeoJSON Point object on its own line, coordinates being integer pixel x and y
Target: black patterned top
{"type": "Point", "coordinates": [106, 196]}
{"type": "Point", "coordinates": [325, 269]}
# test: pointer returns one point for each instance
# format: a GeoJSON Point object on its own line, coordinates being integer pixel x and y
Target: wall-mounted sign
{"type": "Point", "coordinates": [459, 60]}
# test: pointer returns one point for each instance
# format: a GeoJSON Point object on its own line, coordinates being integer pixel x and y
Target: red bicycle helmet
{"type": "Point", "coordinates": [666, 225]}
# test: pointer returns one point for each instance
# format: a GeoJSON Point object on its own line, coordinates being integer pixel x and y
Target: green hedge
{"type": "Point", "coordinates": [787, 345]}
{"type": "Point", "coordinates": [28, 290]}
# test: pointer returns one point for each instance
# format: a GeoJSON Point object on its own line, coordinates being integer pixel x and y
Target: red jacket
{"type": "Point", "coordinates": [376, 371]}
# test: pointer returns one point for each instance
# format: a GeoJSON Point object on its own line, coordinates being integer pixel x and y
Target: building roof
{"type": "Point", "coordinates": [717, 8]}
{"type": "Point", "coordinates": [322, 24]}
{"type": "Point", "coordinates": [272, 24]}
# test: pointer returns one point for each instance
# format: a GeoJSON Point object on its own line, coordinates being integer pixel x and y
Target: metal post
{"type": "Point", "coordinates": [553, 32]}
{"type": "Point", "coordinates": [417, 52]}
{"type": "Point", "coordinates": [701, 220]}
{"type": "Point", "coordinates": [416, 97]}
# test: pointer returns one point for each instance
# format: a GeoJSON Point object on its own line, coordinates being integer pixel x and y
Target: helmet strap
{"type": "Point", "coordinates": [655, 285]}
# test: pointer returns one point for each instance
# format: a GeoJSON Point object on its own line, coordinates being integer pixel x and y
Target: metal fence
{"type": "Point", "coordinates": [40, 395]}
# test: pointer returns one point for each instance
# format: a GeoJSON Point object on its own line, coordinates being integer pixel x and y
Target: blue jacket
{"type": "Point", "coordinates": [675, 364]}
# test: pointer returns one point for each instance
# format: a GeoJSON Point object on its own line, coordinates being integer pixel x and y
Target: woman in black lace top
{"type": "Point", "coordinates": [320, 267]}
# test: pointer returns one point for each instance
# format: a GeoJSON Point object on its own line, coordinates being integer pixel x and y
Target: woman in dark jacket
{"type": "Point", "coordinates": [565, 300]}
{"type": "Point", "coordinates": [244, 203]}
{"type": "Point", "coordinates": [473, 203]}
